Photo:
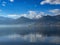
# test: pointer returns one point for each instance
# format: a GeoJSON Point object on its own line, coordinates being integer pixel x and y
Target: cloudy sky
{"type": "Point", "coordinates": [29, 8]}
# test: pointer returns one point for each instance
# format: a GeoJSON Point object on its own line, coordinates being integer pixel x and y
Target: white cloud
{"type": "Point", "coordinates": [30, 14]}
{"type": "Point", "coordinates": [55, 11]}
{"type": "Point", "coordinates": [24, 15]}
{"type": "Point", "coordinates": [39, 15]}
{"type": "Point", "coordinates": [3, 3]}
{"type": "Point", "coordinates": [50, 2]}
{"type": "Point", "coordinates": [13, 16]}
{"type": "Point", "coordinates": [11, 0]}
{"type": "Point", "coordinates": [34, 14]}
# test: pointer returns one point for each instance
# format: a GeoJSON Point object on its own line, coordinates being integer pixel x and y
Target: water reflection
{"type": "Point", "coordinates": [27, 33]}
{"type": "Point", "coordinates": [30, 38]}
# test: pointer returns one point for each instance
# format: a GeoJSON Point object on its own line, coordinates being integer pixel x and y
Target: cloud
{"type": "Point", "coordinates": [11, 0]}
{"type": "Point", "coordinates": [40, 14]}
{"type": "Point", "coordinates": [50, 2]}
{"type": "Point", "coordinates": [4, 3]}
{"type": "Point", "coordinates": [13, 16]}
{"type": "Point", "coordinates": [29, 14]}
{"type": "Point", "coordinates": [55, 11]}
{"type": "Point", "coordinates": [34, 14]}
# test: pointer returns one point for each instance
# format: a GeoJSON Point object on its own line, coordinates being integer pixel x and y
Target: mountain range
{"type": "Point", "coordinates": [23, 20]}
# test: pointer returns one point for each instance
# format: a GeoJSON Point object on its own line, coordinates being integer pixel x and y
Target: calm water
{"type": "Point", "coordinates": [29, 35]}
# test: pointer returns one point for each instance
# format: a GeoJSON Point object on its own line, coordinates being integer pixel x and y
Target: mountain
{"type": "Point", "coordinates": [48, 20]}
{"type": "Point", "coordinates": [5, 20]}
{"type": "Point", "coordinates": [23, 20]}
{"type": "Point", "coordinates": [57, 17]}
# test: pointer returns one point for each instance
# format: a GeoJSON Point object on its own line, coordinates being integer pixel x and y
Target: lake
{"type": "Point", "coordinates": [29, 35]}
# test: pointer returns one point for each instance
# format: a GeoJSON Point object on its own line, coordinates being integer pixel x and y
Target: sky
{"type": "Point", "coordinates": [29, 8]}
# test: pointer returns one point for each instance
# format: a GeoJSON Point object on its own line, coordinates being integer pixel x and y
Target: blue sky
{"type": "Point", "coordinates": [16, 8]}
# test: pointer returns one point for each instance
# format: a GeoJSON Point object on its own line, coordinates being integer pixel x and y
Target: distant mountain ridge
{"type": "Point", "coordinates": [49, 20]}
{"type": "Point", "coordinates": [22, 20]}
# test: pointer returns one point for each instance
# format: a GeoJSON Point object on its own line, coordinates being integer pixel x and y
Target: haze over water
{"type": "Point", "coordinates": [28, 34]}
